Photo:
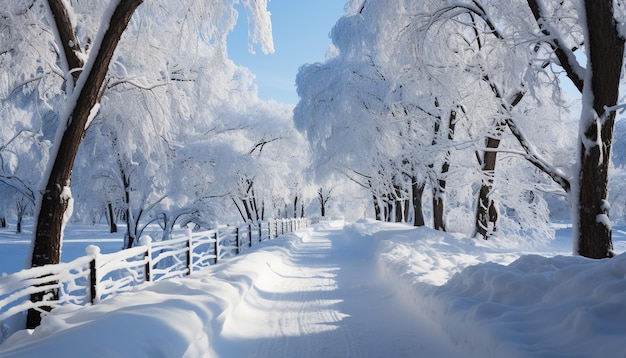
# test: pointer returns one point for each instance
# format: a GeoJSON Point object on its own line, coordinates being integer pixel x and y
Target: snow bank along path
{"type": "Point", "coordinates": [312, 294]}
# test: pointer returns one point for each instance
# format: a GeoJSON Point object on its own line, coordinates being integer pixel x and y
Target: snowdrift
{"type": "Point", "coordinates": [486, 298]}
{"type": "Point", "coordinates": [492, 303]}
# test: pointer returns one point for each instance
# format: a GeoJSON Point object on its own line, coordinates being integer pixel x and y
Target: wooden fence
{"type": "Point", "coordinates": [94, 277]}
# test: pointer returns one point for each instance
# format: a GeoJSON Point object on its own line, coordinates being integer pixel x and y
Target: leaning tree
{"type": "Point", "coordinates": [76, 41]}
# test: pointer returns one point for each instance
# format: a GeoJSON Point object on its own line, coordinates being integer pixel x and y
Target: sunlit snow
{"type": "Point", "coordinates": [363, 289]}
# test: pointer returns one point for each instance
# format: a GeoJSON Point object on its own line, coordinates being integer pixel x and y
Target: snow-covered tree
{"type": "Point", "coordinates": [75, 43]}
{"type": "Point", "coordinates": [555, 31]}
{"type": "Point", "coordinates": [415, 95]}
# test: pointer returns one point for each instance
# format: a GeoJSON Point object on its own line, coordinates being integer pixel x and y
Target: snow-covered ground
{"type": "Point", "coordinates": [368, 289]}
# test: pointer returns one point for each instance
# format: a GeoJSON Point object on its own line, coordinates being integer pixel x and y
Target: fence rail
{"type": "Point", "coordinates": [94, 277]}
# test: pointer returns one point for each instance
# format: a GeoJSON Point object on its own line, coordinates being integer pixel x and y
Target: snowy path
{"type": "Point", "coordinates": [316, 293]}
{"type": "Point", "coordinates": [319, 293]}
{"type": "Point", "coordinates": [326, 300]}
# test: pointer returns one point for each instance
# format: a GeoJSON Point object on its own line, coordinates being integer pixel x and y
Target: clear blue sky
{"type": "Point", "coordinates": [300, 29]}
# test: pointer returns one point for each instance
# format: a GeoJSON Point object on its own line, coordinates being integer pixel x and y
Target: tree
{"type": "Point", "coordinates": [605, 59]}
{"type": "Point", "coordinates": [322, 198]}
{"type": "Point", "coordinates": [349, 121]}
{"type": "Point", "coordinates": [84, 37]}
{"type": "Point", "coordinates": [564, 28]}
{"type": "Point", "coordinates": [86, 81]}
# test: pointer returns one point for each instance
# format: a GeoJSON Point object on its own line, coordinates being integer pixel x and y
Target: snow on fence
{"type": "Point", "coordinates": [94, 277]}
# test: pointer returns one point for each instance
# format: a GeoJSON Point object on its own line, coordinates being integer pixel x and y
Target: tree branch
{"type": "Point", "coordinates": [566, 57]}
{"type": "Point", "coordinates": [67, 36]}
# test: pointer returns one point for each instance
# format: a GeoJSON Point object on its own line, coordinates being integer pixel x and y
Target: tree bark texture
{"type": "Point", "coordinates": [112, 224]}
{"type": "Point", "coordinates": [398, 204]}
{"type": "Point", "coordinates": [439, 190]}
{"type": "Point", "coordinates": [486, 209]}
{"type": "Point", "coordinates": [417, 191]}
{"type": "Point", "coordinates": [377, 209]}
{"type": "Point", "coordinates": [49, 226]}
{"type": "Point", "coordinates": [605, 53]}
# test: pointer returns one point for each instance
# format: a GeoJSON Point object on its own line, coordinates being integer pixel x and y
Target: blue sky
{"type": "Point", "coordinates": [300, 29]}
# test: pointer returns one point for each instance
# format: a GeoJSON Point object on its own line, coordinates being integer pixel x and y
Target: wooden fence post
{"type": "Point", "coordinates": [237, 240]}
{"type": "Point", "coordinates": [250, 234]}
{"type": "Point", "coordinates": [93, 251]}
{"type": "Point", "coordinates": [146, 241]}
{"type": "Point", "coordinates": [215, 247]}
{"type": "Point", "coordinates": [189, 256]}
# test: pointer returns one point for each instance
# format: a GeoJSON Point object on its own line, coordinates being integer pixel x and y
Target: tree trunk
{"type": "Point", "coordinates": [18, 228]}
{"type": "Point", "coordinates": [377, 209]}
{"type": "Point", "coordinates": [439, 192]}
{"type": "Point", "coordinates": [131, 222]}
{"type": "Point", "coordinates": [388, 208]}
{"type": "Point", "coordinates": [255, 207]}
{"type": "Point", "coordinates": [246, 206]}
{"type": "Point", "coordinates": [605, 51]}
{"type": "Point", "coordinates": [398, 204]}
{"type": "Point", "coordinates": [56, 196]}
{"type": "Point", "coordinates": [112, 224]}
{"type": "Point", "coordinates": [417, 191]}
{"type": "Point", "coordinates": [295, 207]}
{"type": "Point", "coordinates": [486, 210]}
{"type": "Point", "coordinates": [439, 222]}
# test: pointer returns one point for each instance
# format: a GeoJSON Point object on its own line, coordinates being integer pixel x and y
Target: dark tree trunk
{"type": "Point", "coordinates": [605, 56]}
{"type": "Point", "coordinates": [246, 206]}
{"type": "Point", "coordinates": [486, 210]}
{"type": "Point", "coordinates": [322, 199]}
{"type": "Point", "coordinates": [439, 222]}
{"type": "Point", "coordinates": [112, 224]}
{"type": "Point", "coordinates": [131, 221]}
{"type": "Point", "coordinates": [406, 211]}
{"type": "Point", "coordinates": [388, 208]}
{"type": "Point", "coordinates": [417, 191]}
{"type": "Point", "coordinates": [439, 192]}
{"type": "Point", "coordinates": [398, 204]}
{"type": "Point", "coordinates": [243, 216]}
{"type": "Point", "coordinates": [56, 196]}
{"type": "Point", "coordinates": [295, 207]}
{"type": "Point", "coordinates": [255, 207]}
{"type": "Point", "coordinates": [377, 209]}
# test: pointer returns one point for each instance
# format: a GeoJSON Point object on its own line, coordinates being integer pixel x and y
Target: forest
{"type": "Point", "coordinates": [484, 117]}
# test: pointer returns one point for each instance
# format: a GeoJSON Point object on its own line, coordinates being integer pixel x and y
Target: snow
{"type": "Point", "coordinates": [92, 114]}
{"type": "Point", "coordinates": [365, 289]}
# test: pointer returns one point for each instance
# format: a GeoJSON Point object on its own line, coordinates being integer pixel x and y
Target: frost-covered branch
{"type": "Point", "coordinates": [64, 20]}
{"type": "Point", "coordinates": [457, 9]}
{"type": "Point", "coordinates": [530, 153]}
{"type": "Point", "coordinates": [19, 185]}
{"type": "Point", "coordinates": [262, 144]}
{"type": "Point", "coordinates": [566, 57]}
{"type": "Point", "coordinates": [143, 86]}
